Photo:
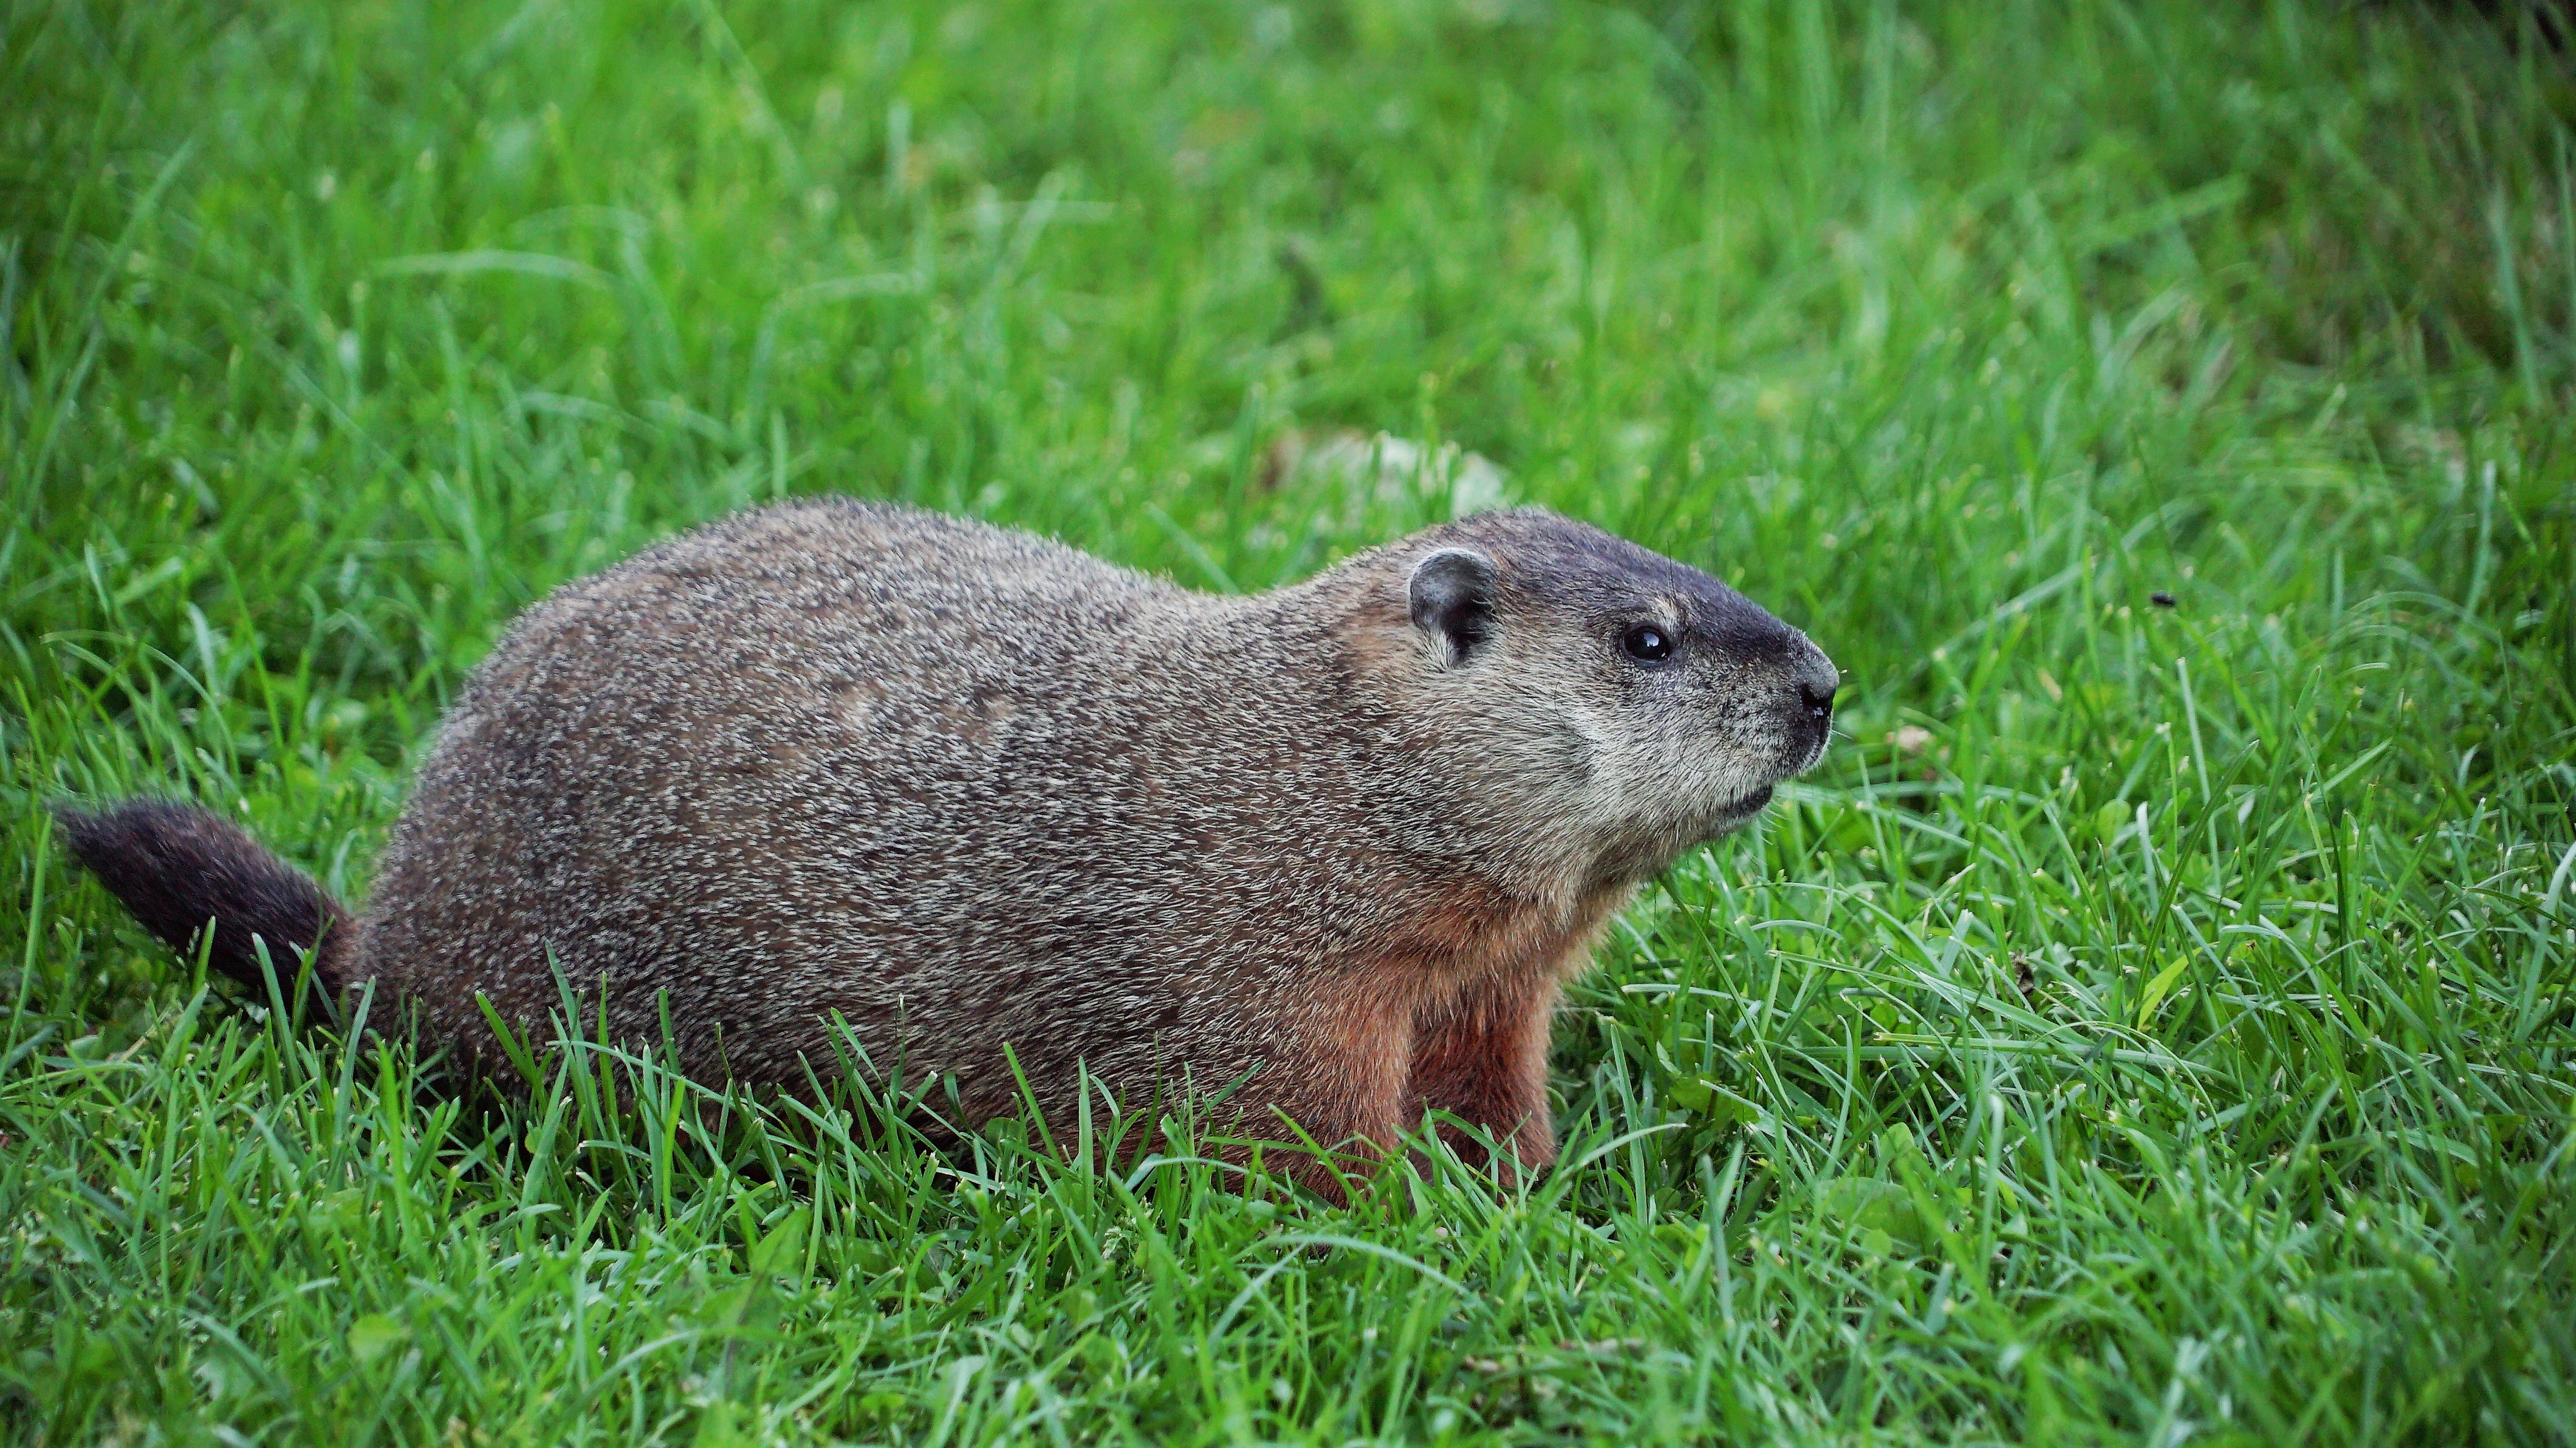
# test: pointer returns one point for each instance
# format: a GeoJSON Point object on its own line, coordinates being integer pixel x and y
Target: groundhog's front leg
{"type": "Point", "coordinates": [1483, 1059]}
{"type": "Point", "coordinates": [1330, 1071]}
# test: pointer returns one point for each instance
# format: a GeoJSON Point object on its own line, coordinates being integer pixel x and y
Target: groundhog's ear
{"type": "Point", "coordinates": [1451, 598]}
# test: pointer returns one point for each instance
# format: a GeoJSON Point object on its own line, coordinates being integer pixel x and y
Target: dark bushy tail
{"type": "Point", "coordinates": [177, 867]}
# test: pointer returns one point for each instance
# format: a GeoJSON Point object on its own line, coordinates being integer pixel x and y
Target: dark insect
{"type": "Point", "coordinates": [2161, 599]}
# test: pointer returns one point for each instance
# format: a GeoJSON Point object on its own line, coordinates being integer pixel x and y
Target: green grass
{"type": "Point", "coordinates": [2150, 1025]}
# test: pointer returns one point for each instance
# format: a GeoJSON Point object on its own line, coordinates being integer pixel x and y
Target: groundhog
{"type": "Point", "coordinates": [1330, 851]}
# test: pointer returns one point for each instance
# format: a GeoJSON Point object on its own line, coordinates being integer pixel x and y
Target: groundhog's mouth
{"type": "Point", "coordinates": [1747, 807]}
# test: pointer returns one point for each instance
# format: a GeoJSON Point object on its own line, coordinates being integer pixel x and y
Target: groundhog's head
{"type": "Point", "coordinates": [1625, 703]}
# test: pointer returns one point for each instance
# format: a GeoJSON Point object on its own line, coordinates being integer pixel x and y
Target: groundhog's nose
{"type": "Point", "coordinates": [1816, 679]}
{"type": "Point", "coordinates": [1819, 702]}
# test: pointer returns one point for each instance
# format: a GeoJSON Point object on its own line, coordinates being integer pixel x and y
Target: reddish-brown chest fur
{"type": "Point", "coordinates": [1454, 1019]}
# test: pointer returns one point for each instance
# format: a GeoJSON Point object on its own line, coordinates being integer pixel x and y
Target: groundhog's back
{"type": "Point", "coordinates": [951, 783]}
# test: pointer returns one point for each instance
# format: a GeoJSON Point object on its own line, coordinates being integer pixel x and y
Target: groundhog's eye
{"type": "Point", "coordinates": [1648, 644]}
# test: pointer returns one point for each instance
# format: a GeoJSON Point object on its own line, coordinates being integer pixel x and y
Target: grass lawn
{"type": "Point", "coordinates": [2156, 1022]}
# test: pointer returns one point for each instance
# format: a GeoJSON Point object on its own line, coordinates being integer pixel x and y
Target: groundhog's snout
{"type": "Point", "coordinates": [1777, 678]}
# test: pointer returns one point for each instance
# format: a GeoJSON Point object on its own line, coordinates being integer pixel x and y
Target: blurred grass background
{"type": "Point", "coordinates": [2152, 1025]}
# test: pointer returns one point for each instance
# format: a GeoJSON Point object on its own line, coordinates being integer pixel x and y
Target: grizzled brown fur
{"type": "Point", "coordinates": [967, 789]}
